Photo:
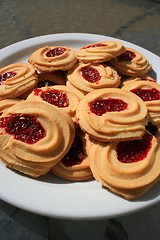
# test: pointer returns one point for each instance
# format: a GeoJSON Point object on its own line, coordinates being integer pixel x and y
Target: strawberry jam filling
{"type": "Point", "coordinates": [134, 151]}
{"type": "Point", "coordinates": [23, 127]}
{"type": "Point", "coordinates": [55, 52]}
{"type": "Point", "coordinates": [95, 45]}
{"type": "Point", "coordinates": [100, 105]}
{"type": "Point", "coordinates": [126, 56]}
{"type": "Point", "coordinates": [90, 74]}
{"type": "Point", "coordinates": [6, 76]}
{"type": "Point", "coordinates": [147, 94]}
{"type": "Point", "coordinates": [54, 97]}
{"type": "Point", "coordinates": [75, 155]}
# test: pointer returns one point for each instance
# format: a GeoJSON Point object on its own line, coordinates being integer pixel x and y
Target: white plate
{"type": "Point", "coordinates": [49, 195]}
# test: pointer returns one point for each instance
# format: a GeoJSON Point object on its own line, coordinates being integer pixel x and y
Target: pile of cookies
{"type": "Point", "coordinates": [88, 114]}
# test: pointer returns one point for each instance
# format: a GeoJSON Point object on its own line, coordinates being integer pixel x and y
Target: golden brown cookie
{"type": "Point", "coordinates": [16, 79]}
{"type": "Point", "coordinates": [89, 77]}
{"type": "Point", "coordinates": [34, 136]}
{"type": "Point", "coordinates": [131, 63]}
{"type": "Point", "coordinates": [149, 92]}
{"type": "Point", "coordinates": [53, 58]}
{"type": "Point", "coordinates": [60, 96]}
{"type": "Point", "coordinates": [128, 168]}
{"type": "Point", "coordinates": [140, 78]}
{"type": "Point", "coordinates": [112, 114]}
{"type": "Point", "coordinates": [7, 103]}
{"type": "Point", "coordinates": [75, 165]}
{"type": "Point", "coordinates": [100, 51]}
{"type": "Point", "coordinates": [75, 90]}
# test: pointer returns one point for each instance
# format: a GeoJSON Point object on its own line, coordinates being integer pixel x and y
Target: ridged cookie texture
{"type": "Point", "coordinates": [112, 114]}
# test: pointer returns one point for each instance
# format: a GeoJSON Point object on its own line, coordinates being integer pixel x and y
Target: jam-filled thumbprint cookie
{"type": "Point", "coordinates": [128, 168]}
{"type": "Point", "coordinates": [149, 92]}
{"type": "Point", "coordinates": [59, 96]}
{"type": "Point", "coordinates": [34, 136]}
{"type": "Point", "coordinates": [131, 63]}
{"type": "Point", "coordinates": [16, 79]}
{"type": "Point", "coordinates": [75, 164]}
{"type": "Point", "coordinates": [88, 77]}
{"type": "Point", "coordinates": [126, 79]}
{"type": "Point", "coordinates": [112, 114]}
{"type": "Point", "coordinates": [7, 103]}
{"type": "Point", "coordinates": [53, 58]}
{"type": "Point", "coordinates": [100, 51]}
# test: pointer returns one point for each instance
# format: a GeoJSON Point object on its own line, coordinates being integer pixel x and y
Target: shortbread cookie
{"type": "Point", "coordinates": [131, 63]}
{"type": "Point", "coordinates": [100, 51]}
{"type": "Point", "coordinates": [127, 168]}
{"type": "Point", "coordinates": [75, 90]}
{"type": "Point", "coordinates": [34, 136]}
{"type": "Point", "coordinates": [149, 92]}
{"type": "Point", "coordinates": [112, 114]}
{"type": "Point", "coordinates": [140, 78]}
{"type": "Point", "coordinates": [89, 77]}
{"type": "Point", "coordinates": [48, 59]}
{"type": "Point", "coordinates": [16, 79]}
{"type": "Point", "coordinates": [7, 103]}
{"type": "Point", "coordinates": [60, 96]}
{"type": "Point", "coordinates": [75, 165]}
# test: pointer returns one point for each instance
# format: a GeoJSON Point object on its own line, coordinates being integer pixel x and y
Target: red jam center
{"type": "Point", "coordinates": [95, 45]}
{"type": "Point", "coordinates": [6, 76]}
{"type": "Point", "coordinates": [54, 97]}
{"type": "Point", "coordinates": [55, 52]}
{"type": "Point", "coordinates": [134, 151]}
{"type": "Point", "coordinates": [45, 83]}
{"type": "Point", "coordinates": [90, 74]}
{"type": "Point", "coordinates": [147, 94]}
{"type": "Point", "coordinates": [23, 127]}
{"type": "Point", "coordinates": [100, 106]}
{"type": "Point", "coordinates": [75, 155]}
{"type": "Point", "coordinates": [126, 56]}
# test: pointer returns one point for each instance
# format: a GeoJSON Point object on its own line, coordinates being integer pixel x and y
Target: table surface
{"type": "Point", "coordinates": [134, 21]}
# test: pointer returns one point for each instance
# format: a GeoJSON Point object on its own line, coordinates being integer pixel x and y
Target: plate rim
{"type": "Point", "coordinates": [45, 211]}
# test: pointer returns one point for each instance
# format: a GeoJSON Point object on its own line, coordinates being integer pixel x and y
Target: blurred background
{"type": "Point", "coordinates": [131, 20]}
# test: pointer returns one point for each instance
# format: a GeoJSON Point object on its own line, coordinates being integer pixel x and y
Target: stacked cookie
{"type": "Point", "coordinates": [75, 117]}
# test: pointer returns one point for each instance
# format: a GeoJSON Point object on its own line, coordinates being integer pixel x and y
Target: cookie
{"type": "Point", "coordinates": [75, 164]}
{"type": "Point", "coordinates": [7, 103]}
{"type": "Point", "coordinates": [53, 58]}
{"type": "Point", "coordinates": [34, 136]}
{"type": "Point", "coordinates": [100, 51]}
{"type": "Point", "coordinates": [60, 96]}
{"type": "Point", "coordinates": [89, 77]}
{"type": "Point", "coordinates": [75, 90]}
{"type": "Point", "coordinates": [139, 78]}
{"type": "Point", "coordinates": [131, 63]}
{"type": "Point", "coordinates": [149, 92]}
{"type": "Point", "coordinates": [129, 168]}
{"type": "Point", "coordinates": [112, 114]}
{"type": "Point", "coordinates": [16, 79]}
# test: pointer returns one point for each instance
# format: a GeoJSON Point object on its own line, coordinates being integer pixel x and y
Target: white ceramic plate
{"type": "Point", "coordinates": [49, 195]}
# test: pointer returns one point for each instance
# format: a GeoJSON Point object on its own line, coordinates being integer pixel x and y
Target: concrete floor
{"type": "Point", "coordinates": [135, 21]}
